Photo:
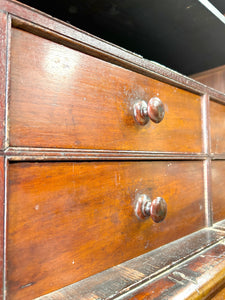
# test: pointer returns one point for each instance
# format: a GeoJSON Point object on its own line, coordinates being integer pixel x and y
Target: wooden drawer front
{"type": "Point", "coordinates": [217, 123]}
{"type": "Point", "coordinates": [67, 221]}
{"type": "Point", "coordinates": [62, 98]}
{"type": "Point", "coordinates": [218, 190]}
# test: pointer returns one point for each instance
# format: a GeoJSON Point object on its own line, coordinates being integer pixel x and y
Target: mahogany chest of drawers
{"type": "Point", "coordinates": [111, 168]}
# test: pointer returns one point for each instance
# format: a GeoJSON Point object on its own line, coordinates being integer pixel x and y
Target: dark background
{"type": "Point", "coordinates": [180, 34]}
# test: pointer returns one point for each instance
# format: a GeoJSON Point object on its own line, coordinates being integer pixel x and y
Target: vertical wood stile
{"type": "Point", "coordinates": [4, 177]}
{"type": "Point", "coordinates": [7, 76]}
{"type": "Point", "coordinates": [207, 161]}
{"type": "Point", "coordinates": [4, 33]}
{"type": "Point", "coordinates": [3, 75]}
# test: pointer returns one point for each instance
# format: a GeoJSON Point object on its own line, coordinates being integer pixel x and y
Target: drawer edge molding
{"type": "Point", "coordinates": [23, 153]}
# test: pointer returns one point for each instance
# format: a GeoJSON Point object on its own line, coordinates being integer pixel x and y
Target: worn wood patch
{"type": "Point", "coordinates": [196, 278]}
{"type": "Point", "coordinates": [220, 225]}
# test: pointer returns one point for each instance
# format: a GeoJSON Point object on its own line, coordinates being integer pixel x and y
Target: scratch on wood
{"type": "Point", "coordinates": [26, 285]}
{"type": "Point", "coordinates": [130, 273]}
{"type": "Point", "coordinates": [184, 277]}
{"type": "Point", "coordinates": [176, 280]}
{"type": "Point", "coordinates": [187, 278]}
{"type": "Point", "coordinates": [151, 265]}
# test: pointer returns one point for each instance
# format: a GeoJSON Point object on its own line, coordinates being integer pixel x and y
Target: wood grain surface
{"type": "Point", "coordinates": [54, 154]}
{"type": "Point", "coordinates": [62, 98]}
{"type": "Point", "coordinates": [68, 221]}
{"type": "Point", "coordinates": [214, 78]}
{"type": "Point", "coordinates": [127, 276]}
{"type": "Point", "coordinates": [217, 125]}
{"type": "Point", "coordinates": [3, 76]}
{"type": "Point", "coordinates": [218, 190]}
{"type": "Point", "coordinates": [196, 279]}
{"type": "Point", "coordinates": [3, 88]}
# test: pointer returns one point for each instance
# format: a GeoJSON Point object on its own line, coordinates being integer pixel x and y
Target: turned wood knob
{"type": "Point", "coordinates": [155, 209]}
{"type": "Point", "coordinates": [144, 112]}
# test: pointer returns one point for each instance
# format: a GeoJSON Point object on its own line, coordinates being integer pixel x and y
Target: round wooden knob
{"type": "Point", "coordinates": [156, 110]}
{"type": "Point", "coordinates": [155, 209]}
{"type": "Point", "coordinates": [144, 112]}
{"type": "Point", "coordinates": [158, 209]}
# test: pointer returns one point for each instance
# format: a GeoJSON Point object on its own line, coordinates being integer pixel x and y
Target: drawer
{"type": "Point", "coordinates": [67, 221]}
{"type": "Point", "coordinates": [218, 190]}
{"type": "Point", "coordinates": [217, 125]}
{"type": "Point", "coordinates": [62, 98]}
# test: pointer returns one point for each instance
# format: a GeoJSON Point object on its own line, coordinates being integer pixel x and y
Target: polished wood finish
{"type": "Point", "coordinates": [217, 126]}
{"type": "Point", "coordinates": [119, 280]}
{"type": "Point", "coordinates": [214, 78]}
{"type": "Point", "coordinates": [154, 111]}
{"type": "Point", "coordinates": [64, 206]}
{"type": "Point", "coordinates": [88, 103]}
{"type": "Point", "coordinates": [70, 100]}
{"type": "Point", "coordinates": [218, 190]}
{"type": "Point", "coordinates": [156, 209]}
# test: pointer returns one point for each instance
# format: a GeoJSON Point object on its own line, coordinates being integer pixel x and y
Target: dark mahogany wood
{"type": "Point", "coordinates": [71, 98]}
{"type": "Point", "coordinates": [119, 280]}
{"type": "Point", "coordinates": [145, 208]}
{"type": "Point", "coordinates": [214, 78]}
{"type": "Point", "coordinates": [65, 99]}
{"type": "Point", "coordinates": [158, 209]}
{"type": "Point", "coordinates": [217, 125]}
{"type": "Point", "coordinates": [144, 112]}
{"type": "Point", "coordinates": [218, 190]}
{"type": "Point", "coordinates": [156, 110]}
{"type": "Point", "coordinates": [71, 220]}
